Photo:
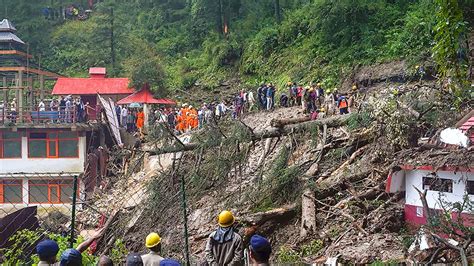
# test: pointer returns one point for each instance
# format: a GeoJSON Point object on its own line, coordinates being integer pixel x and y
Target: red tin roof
{"type": "Point", "coordinates": [467, 126]}
{"type": "Point", "coordinates": [144, 96]}
{"type": "Point", "coordinates": [93, 85]}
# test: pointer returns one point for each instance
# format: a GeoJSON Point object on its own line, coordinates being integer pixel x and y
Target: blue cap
{"type": "Point", "coordinates": [134, 259]}
{"type": "Point", "coordinates": [47, 248]}
{"type": "Point", "coordinates": [71, 257]}
{"type": "Point", "coordinates": [261, 247]}
{"type": "Point", "coordinates": [169, 262]}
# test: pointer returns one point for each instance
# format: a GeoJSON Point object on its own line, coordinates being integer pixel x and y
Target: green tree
{"type": "Point", "coordinates": [148, 71]}
{"type": "Point", "coordinates": [450, 51]}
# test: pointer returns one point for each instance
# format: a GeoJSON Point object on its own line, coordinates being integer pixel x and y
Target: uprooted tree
{"type": "Point", "coordinates": [452, 222]}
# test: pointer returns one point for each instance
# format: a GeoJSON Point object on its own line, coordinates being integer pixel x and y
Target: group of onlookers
{"type": "Point", "coordinates": [61, 110]}
{"type": "Point", "coordinates": [224, 247]}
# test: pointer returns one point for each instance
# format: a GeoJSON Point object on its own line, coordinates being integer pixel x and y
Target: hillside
{"type": "Point", "coordinates": [196, 43]}
{"type": "Point", "coordinates": [318, 189]}
{"type": "Point", "coordinates": [267, 181]}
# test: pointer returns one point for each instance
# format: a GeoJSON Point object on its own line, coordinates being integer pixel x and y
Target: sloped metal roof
{"type": "Point", "coordinates": [7, 26]}
{"type": "Point", "coordinates": [88, 86]}
{"type": "Point", "coordinates": [9, 37]}
{"type": "Point", "coordinates": [144, 96]}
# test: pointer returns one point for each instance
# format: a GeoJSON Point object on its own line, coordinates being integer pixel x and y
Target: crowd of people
{"type": "Point", "coordinates": [313, 100]}
{"type": "Point", "coordinates": [67, 109]}
{"type": "Point", "coordinates": [224, 247]}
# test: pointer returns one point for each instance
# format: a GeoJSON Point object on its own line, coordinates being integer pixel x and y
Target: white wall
{"type": "Point", "coordinates": [415, 178]}
{"type": "Point", "coordinates": [44, 165]}
{"type": "Point", "coordinates": [43, 208]}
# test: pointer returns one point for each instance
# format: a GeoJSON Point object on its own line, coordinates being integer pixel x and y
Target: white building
{"type": "Point", "coordinates": [450, 184]}
{"type": "Point", "coordinates": [37, 165]}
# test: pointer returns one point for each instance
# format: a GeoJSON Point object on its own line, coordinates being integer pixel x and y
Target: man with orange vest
{"type": "Point", "coordinates": [343, 104]}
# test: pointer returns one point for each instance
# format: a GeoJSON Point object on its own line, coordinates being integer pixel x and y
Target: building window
{"type": "Point", "coordinates": [50, 191]}
{"type": "Point", "coordinates": [438, 184]}
{"type": "Point", "coordinates": [11, 191]}
{"type": "Point", "coordinates": [10, 145]}
{"type": "Point", "coordinates": [53, 145]}
{"type": "Point", "coordinates": [470, 187]}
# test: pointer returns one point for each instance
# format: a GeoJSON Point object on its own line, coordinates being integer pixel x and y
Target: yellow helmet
{"type": "Point", "coordinates": [319, 84]}
{"type": "Point", "coordinates": [225, 219]}
{"type": "Point", "coordinates": [152, 240]}
{"type": "Point", "coordinates": [322, 110]}
{"type": "Point", "coordinates": [354, 87]}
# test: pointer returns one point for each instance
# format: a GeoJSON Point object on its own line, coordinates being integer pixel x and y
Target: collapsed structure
{"type": "Point", "coordinates": [445, 185]}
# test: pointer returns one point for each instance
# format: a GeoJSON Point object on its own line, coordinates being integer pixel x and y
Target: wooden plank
{"type": "Point", "coordinates": [15, 52]}
{"type": "Point", "coordinates": [31, 70]}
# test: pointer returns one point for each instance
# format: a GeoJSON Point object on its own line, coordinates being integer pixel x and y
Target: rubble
{"type": "Point", "coordinates": [341, 175]}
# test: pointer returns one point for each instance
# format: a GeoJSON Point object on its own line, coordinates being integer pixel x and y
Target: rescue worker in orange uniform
{"type": "Point", "coordinates": [182, 125]}
{"type": "Point", "coordinates": [185, 114]}
{"type": "Point", "coordinates": [193, 118]}
{"type": "Point", "coordinates": [140, 122]}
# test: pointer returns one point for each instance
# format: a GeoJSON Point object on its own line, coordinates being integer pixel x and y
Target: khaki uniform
{"type": "Point", "coordinates": [152, 259]}
{"type": "Point", "coordinates": [227, 253]}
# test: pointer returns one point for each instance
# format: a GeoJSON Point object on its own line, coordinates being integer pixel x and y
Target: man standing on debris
{"type": "Point", "coordinates": [342, 104]}
{"type": "Point", "coordinates": [153, 243]}
{"type": "Point", "coordinates": [224, 246]}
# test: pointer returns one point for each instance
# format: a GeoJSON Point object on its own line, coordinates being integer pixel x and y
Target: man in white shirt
{"type": "Point", "coordinates": [124, 114]}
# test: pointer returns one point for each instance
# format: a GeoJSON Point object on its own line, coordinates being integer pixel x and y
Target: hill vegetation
{"type": "Point", "coordinates": [181, 43]}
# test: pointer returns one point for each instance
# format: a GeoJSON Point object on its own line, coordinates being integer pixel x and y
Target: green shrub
{"type": "Point", "coordinates": [118, 252]}
{"type": "Point", "coordinates": [287, 255]}
{"type": "Point", "coordinates": [25, 239]}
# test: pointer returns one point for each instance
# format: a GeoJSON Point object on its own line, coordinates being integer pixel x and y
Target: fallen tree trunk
{"type": "Point", "coordinates": [341, 184]}
{"type": "Point", "coordinates": [262, 217]}
{"type": "Point", "coordinates": [330, 122]}
{"type": "Point", "coordinates": [308, 214]}
{"type": "Point", "coordinates": [308, 207]}
{"type": "Point", "coordinates": [366, 194]}
{"type": "Point", "coordinates": [288, 121]}
{"type": "Point", "coordinates": [345, 164]}
{"type": "Point", "coordinates": [333, 121]}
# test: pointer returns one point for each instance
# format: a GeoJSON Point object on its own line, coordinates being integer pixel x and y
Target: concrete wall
{"type": "Point", "coordinates": [43, 208]}
{"type": "Point", "coordinates": [414, 178]}
{"type": "Point", "coordinates": [44, 165]}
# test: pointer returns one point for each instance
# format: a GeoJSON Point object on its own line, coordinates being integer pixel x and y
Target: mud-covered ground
{"type": "Point", "coordinates": [362, 230]}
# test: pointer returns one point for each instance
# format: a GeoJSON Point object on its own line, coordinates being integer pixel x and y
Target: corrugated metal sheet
{"type": "Point", "coordinates": [9, 37]}
{"type": "Point", "coordinates": [6, 25]}
{"type": "Point", "coordinates": [87, 86]}
{"type": "Point", "coordinates": [467, 126]}
{"type": "Point", "coordinates": [109, 107]}
{"type": "Point", "coordinates": [22, 219]}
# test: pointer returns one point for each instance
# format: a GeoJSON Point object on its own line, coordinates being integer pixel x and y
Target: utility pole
{"type": "Point", "coordinates": [6, 9]}
{"type": "Point", "coordinates": [185, 216]}
{"type": "Point", "coordinates": [277, 10]}
{"type": "Point", "coordinates": [73, 213]}
{"type": "Point", "coordinates": [219, 18]}
{"type": "Point", "coordinates": [112, 41]}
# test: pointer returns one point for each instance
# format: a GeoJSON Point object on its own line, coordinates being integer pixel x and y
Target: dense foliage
{"type": "Point", "coordinates": [189, 42]}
